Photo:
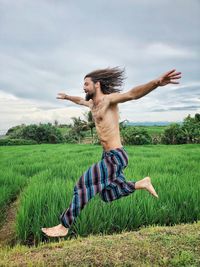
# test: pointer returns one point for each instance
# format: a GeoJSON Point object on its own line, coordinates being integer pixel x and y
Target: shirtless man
{"type": "Point", "coordinates": [106, 176]}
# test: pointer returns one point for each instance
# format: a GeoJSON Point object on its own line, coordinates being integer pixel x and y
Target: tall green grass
{"type": "Point", "coordinates": [10, 186]}
{"type": "Point", "coordinates": [53, 170]}
{"type": "Point", "coordinates": [17, 166]}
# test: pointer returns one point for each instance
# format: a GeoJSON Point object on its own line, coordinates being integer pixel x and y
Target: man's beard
{"type": "Point", "coordinates": [88, 97]}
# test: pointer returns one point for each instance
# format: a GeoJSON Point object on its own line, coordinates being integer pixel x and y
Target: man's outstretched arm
{"type": "Point", "coordinates": [75, 99]}
{"type": "Point", "coordinates": [141, 90]}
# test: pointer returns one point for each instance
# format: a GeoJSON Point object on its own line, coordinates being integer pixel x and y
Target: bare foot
{"type": "Point", "coordinates": [146, 184]}
{"type": "Point", "coordinates": [56, 231]}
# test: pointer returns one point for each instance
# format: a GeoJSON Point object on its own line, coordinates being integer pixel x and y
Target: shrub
{"type": "Point", "coordinates": [10, 142]}
{"type": "Point", "coordinates": [16, 131]}
{"type": "Point", "coordinates": [191, 128]}
{"type": "Point", "coordinates": [72, 137]}
{"type": "Point", "coordinates": [44, 133]}
{"type": "Point", "coordinates": [135, 136]}
{"type": "Point", "coordinates": [188, 132]}
{"type": "Point", "coordinates": [173, 134]}
{"type": "Point", "coordinates": [156, 139]}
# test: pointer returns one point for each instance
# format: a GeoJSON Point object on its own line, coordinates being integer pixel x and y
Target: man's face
{"type": "Point", "coordinates": [89, 88]}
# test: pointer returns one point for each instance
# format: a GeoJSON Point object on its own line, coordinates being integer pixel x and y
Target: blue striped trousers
{"type": "Point", "coordinates": [104, 177]}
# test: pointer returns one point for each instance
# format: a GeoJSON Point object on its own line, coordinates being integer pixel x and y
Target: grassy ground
{"type": "Point", "coordinates": [152, 246]}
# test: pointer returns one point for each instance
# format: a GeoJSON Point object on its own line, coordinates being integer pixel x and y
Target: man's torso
{"type": "Point", "coordinates": [106, 118]}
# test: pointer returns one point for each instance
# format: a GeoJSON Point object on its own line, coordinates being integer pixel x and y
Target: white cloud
{"type": "Point", "coordinates": [47, 47]}
{"type": "Point", "coordinates": [162, 50]}
{"type": "Point", "coordinates": [15, 111]}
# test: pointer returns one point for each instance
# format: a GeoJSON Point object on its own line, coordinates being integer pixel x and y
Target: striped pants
{"type": "Point", "coordinates": [105, 177]}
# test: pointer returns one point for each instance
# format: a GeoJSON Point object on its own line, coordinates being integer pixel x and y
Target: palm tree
{"type": "Point", "coordinates": [79, 126]}
{"type": "Point", "coordinates": [122, 124]}
{"type": "Point", "coordinates": [90, 123]}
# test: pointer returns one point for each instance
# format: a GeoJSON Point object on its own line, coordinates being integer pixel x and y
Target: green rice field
{"type": "Point", "coordinates": [42, 177]}
{"type": "Point", "coordinates": [152, 130]}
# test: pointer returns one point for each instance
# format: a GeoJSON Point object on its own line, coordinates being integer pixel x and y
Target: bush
{"type": "Point", "coordinates": [173, 134]}
{"type": "Point", "coordinates": [44, 133]}
{"type": "Point", "coordinates": [96, 140]}
{"type": "Point", "coordinates": [71, 137]}
{"type": "Point", "coordinates": [10, 142]}
{"type": "Point", "coordinates": [135, 136]}
{"type": "Point", "coordinates": [191, 128]}
{"type": "Point", "coordinates": [75, 135]}
{"type": "Point", "coordinates": [188, 132]}
{"type": "Point", "coordinates": [156, 139]}
{"type": "Point", "coordinates": [16, 131]}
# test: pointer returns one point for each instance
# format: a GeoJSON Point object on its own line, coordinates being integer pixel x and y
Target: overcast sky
{"type": "Point", "coordinates": [47, 47]}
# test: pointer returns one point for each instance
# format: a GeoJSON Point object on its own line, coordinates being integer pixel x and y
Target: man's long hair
{"type": "Point", "coordinates": [110, 79]}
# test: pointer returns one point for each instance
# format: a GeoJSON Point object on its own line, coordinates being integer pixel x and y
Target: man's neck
{"type": "Point", "coordinates": [97, 98]}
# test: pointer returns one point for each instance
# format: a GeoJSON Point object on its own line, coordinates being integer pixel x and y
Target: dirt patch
{"type": "Point", "coordinates": [7, 230]}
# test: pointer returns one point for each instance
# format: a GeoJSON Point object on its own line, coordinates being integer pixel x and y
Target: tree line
{"type": "Point", "coordinates": [187, 132]}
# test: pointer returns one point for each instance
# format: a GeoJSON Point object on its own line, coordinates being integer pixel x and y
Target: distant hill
{"type": "Point", "coordinates": [153, 123]}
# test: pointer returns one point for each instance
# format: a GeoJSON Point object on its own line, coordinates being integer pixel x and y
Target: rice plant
{"type": "Point", "coordinates": [46, 174]}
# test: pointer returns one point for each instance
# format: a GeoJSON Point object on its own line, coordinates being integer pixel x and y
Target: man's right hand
{"type": "Point", "coordinates": [76, 99]}
{"type": "Point", "coordinates": [61, 96]}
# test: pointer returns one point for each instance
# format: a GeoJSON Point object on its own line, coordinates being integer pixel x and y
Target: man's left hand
{"type": "Point", "coordinates": [169, 77]}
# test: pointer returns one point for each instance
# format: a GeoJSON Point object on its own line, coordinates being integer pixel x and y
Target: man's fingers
{"type": "Point", "coordinates": [61, 96]}
{"type": "Point", "coordinates": [174, 82]}
{"type": "Point", "coordinates": [61, 93]}
{"type": "Point", "coordinates": [175, 77]}
{"type": "Point", "coordinates": [174, 74]}
{"type": "Point", "coordinates": [167, 73]}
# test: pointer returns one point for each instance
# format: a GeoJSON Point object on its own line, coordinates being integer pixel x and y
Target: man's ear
{"type": "Point", "coordinates": [98, 85]}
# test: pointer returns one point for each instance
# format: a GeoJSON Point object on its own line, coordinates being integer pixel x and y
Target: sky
{"type": "Point", "coordinates": [48, 46]}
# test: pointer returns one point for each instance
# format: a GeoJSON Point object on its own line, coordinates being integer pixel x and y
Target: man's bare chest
{"type": "Point", "coordinates": [98, 113]}
{"type": "Point", "coordinates": [103, 111]}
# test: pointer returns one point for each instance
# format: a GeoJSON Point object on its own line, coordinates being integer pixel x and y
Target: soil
{"type": "Point", "coordinates": [7, 230]}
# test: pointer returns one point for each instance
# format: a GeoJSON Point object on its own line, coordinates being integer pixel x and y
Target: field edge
{"type": "Point", "coordinates": [177, 245]}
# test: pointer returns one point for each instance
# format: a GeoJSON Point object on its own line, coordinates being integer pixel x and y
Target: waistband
{"type": "Point", "coordinates": [119, 155]}
{"type": "Point", "coordinates": [118, 149]}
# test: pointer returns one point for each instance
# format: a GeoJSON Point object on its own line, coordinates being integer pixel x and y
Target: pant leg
{"type": "Point", "coordinates": [93, 181]}
{"type": "Point", "coordinates": [119, 187]}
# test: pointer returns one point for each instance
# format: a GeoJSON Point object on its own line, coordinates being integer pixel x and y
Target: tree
{"type": "Point", "coordinates": [71, 137]}
{"type": "Point", "coordinates": [197, 117]}
{"type": "Point", "coordinates": [90, 123]}
{"type": "Point", "coordinates": [122, 124]}
{"type": "Point", "coordinates": [56, 123]}
{"type": "Point", "coordinates": [78, 127]}
{"type": "Point", "coordinates": [191, 128]}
